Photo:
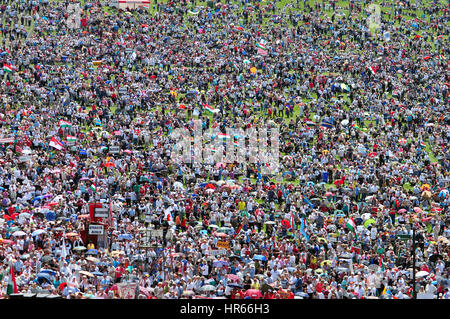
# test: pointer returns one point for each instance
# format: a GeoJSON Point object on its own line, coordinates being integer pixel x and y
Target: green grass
{"type": "Point", "coordinates": [329, 13]}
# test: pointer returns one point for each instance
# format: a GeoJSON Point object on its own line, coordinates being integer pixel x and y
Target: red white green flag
{"type": "Point", "coordinates": [351, 226]}
{"type": "Point", "coordinates": [12, 286]}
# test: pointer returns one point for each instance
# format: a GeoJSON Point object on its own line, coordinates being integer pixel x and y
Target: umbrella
{"type": "Point", "coordinates": [80, 248]}
{"type": "Point", "coordinates": [6, 241]}
{"type": "Point", "coordinates": [71, 234]}
{"type": "Point", "coordinates": [219, 263]}
{"type": "Point", "coordinates": [213, 226]}
{"type": "Point", "coordinates": [234, 257]}
{"type": "Point", "coordinates": [435, 257]}
{"type": "Point", "coordinates": [417, 209]}
{"type": "Point", "coordinates": [38, 232]}
{"type": "Point", "coordinates": [422, 273]}
{"type": "Point", "coordinates": [87, 273]}
{"type": "Point", "coordinates": [125, 237]}
{"type": "Point", "coordinates": [270, 222]}
{"type": "Point", "coordinates": [327, 262]}
{"type": "Point", "coordinates": [93, 259]}
{"type": "Point", "coordinates": [44, 276]}
{"type": "Point", "coordinates": [98, 273]}
{"type": "Point", "coordinates": [369, 222]}
{"type": "Point", "coordinates": [48, 271]}
{"type": "Point", "coordinates": [92, 252]}
{"type": "Point", "coordinates": [19, 233]}
{"type": "Point", "coordinates": [210, 186]}
{"type": "Point", "coordinates": [178, 185]}
{"type": "Point", "coordinates": [221, 235]}
{"type": "Point", "coordinates": [234, 285]}
{"type": "Point", "coordinates": [401, 211]}
{"type": "Point", "coordinates": [233, 277]}
{"type": "Point", "coordinates": [259, 257]}
{"type": "Point", "coordinates": [373, 267]}
{"type": "Point", "coordinates": [46, 259]}
{"type": "Point", "coordinates": [266, 287]}
{"type": "Point", "coordinates": [69, 289]}
{"type": "Point", "coordinates": [188, 293]}
{"type": "Point", "coordinates": [253, 293]}
{"type": "Point", "coordinates": [208, 288]}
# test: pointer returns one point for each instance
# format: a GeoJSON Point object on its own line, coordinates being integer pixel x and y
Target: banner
{"type": "Point", "coordinates": [127, 290]}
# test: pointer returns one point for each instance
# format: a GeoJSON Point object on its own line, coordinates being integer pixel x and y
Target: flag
{"type": "Point", "coordinates": [381, 263]}
{"type": "Point", "coordinates": [293, 223]}
{"type": "Point", "coordinates": [352, 226]}
{"type": "Point", "coordinates": [93, 187]}
{"type": "Point", "coordinates": [261, 44]}
{"type": "Point", "coordinates": [12, 286]}
{"type": "Point", "coordinates": [63, 123]}
{"type": "Point", "coordinates": [307, 201]}
{"type": "Point", "coordinates": [210, 108]}
{"type": "Point", "coordinates": [56, 144]}
{"type": "Point", "coordinates": [261, 52]}
{"type": "Point", "coordinates": [7, 68]}
{"type": "Point", "coordinates": [71, 138]}
{"type": "Point", "coordinates": [223, 136]}
{"type": "Point", "coordinates": [373, 70]}
{"type": "Point", "coordinates": [63, 251]}
{"type": "Point", "coordinates": [326, 124]}
{"type": "Point", "coordinates": [238, 231]}
{"type": "Point", "coordinates": [302, 229]}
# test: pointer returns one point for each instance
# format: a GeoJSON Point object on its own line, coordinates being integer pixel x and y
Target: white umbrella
{"type": "Point", "coordinates": [366, 216]}
{"type": "Point", "coordinates": [178, 185]}
{"type": "Point", "coordinates": [19, 233]}
{"type": "Point", "coordinates": [422, 273]}
{"type": "Point", "coordinates": [344, 122]}
{"type": "Point", "coordinates": [25, 215]}
{"type": "Point", "coordinates": [208, 288]}
{"type": "Point", "coordinates": [38, 232]}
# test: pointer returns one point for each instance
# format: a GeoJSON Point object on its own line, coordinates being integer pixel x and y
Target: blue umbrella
{"type": "Point", "coordinates": [125, 236]}
{"type": "Point", "coordinates": [259, 257]}
{"type": "Point", "coordinates": [98, 273]}
{"type": "Point", "coordinates": [102, 264]}
{"type": "Point", "coordinates": [92, 252]}
{"type": "Point", "coordinates": [66, 290]}
{"type": "Point", "coordinates": [51, 216]}
{"type": "Point", "coordinates": [47, 271]}
{"type": "Point", "coordinates": [219, 263]}
{"type": "Point", "coordinates": [234, 285]}
{"type": "Point", "coordinates": [44, 276]}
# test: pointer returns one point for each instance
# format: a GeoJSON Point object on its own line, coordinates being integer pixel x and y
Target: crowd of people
{"type": "Point", "coordinates": [362, 190]}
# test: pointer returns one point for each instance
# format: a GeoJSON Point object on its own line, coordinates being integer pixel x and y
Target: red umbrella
{"type": "Point", "coordinates": [221, 235]}
{"type": "Point", "coordinates": [373, 154]}
{"type": "Point", "coordinates": [253, 293]}
{"type": "Point", "coordinates": [211, 186]}
{"type": "Point", "coordinates": [233, 277]}
{"type": "Point", "coordinates": [6, 242]}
